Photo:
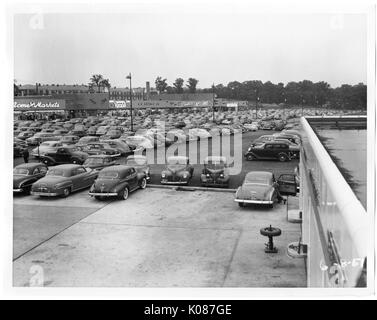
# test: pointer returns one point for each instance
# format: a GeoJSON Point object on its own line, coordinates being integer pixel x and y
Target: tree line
{"type": "Point", "coordinates": [302, 93]}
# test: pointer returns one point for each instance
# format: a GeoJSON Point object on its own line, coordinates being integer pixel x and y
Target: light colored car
{"type": "Point", "coordinates": [260, 187]}
{"type": "Point", "coordinates": [40, 137]}
{"type": "Point", "coordinates": [139, 142]}
{"type": "Point", "coordinates": [45, 147]}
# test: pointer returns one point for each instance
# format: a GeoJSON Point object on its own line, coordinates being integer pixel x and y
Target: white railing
{"type": "Point", "coordinates": [334, 221]}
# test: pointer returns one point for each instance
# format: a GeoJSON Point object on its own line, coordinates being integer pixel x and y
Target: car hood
{"type": "Point", "coordinates": [174, 170]}
{"type": "Point", "coordinates": [254, 191]}
{"type": "Point", "coordinates": [51, 180]}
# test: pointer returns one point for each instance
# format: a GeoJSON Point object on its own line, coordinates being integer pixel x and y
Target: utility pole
{"type": "Point", "coordinates": [132, 123]}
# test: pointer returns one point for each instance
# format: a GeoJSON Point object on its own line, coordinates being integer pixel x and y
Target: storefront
{"type": "Point", "coordinates": [39, 108]}
{"type": "Point", "coordinates": [61, 106]}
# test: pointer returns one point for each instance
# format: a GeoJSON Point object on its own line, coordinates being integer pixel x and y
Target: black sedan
{"type": "Point", "coordinates": [24, 175]}
{"type": "Point", "coordinates": [117, 181]}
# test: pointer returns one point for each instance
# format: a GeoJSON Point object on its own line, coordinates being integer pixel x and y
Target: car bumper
{"type": "Point", "coordinates": [254, 201]}
{"type": "Point", "coordinates": [173, 182]}
{"type": "Point", "coordinates": [103, 194]}
{"type": "Point", "coordinates": [44, 194]}
{"type": "Point", "coordinates": [18, 190]}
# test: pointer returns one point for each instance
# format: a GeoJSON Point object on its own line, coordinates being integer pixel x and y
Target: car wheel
{"type": "Point", "coordinates": [143, 184]}
{"type": "Point", "coordinates": [241, 204]}
{"type": "Point", "coordinates": [249, 157]}
{"type": "Point", "coordinates": [66, 192]}
{"type": "Point", "coordinates": [124, 194]}
{"type": "Point", "coordinates": [282, 157]}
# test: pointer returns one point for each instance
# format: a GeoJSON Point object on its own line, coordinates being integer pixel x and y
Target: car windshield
{"type": "Point", "coordinates": [55, 172]}
{"type": "Point", "coordinates": [215, 165]}
{"type": "Point", "coordinates": [176, 163]}
{"type": "Point", "coordinates": [136, 162]}
{"type": "Point", "coordinates": [108, 175]}
{"type": "Point", "coordinates": [92, 161]}
{"type": "Point", "coordinates": [21, 171]}
{"type": "Point", "coordinates": [257, 179]}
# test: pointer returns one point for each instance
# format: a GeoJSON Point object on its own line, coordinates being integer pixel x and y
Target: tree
{"type": "Point", "coordinates": [191, 84]}
{"type": "Point", "coordinates": [95, 81]}
{"type": "Point", "coordinates": [16, 89]}
{"type": "Point", "coordinates": [161, 85]}
{"type": "Point", "coordinates": [106, 84]}
{"type": "Point", "coordinates": [178, 85]}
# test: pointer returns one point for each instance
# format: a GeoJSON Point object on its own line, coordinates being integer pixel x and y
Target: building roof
{"type": "Point", "coordinates": [65, 87]}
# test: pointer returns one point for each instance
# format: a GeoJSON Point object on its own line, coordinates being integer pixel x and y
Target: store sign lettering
{"type": "Point", "coordinates": [37, 104]}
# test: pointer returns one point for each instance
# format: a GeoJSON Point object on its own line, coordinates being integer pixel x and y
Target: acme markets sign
{"type": "Point", "coordinates": [26, 104]}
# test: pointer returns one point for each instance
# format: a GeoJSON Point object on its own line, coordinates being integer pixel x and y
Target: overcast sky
{"type": "Point", "coordinates": [209, 47]}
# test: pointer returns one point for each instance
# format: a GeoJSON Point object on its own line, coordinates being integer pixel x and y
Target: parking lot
{"type": "Point", "coordinates": [157, 238]}
{"type": "Point", "coordinates": [193, 149]}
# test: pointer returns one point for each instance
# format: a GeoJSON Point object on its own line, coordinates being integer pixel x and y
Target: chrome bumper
{"type": "Point", "coordinates": [108, 194]}
{"type": "Point", "coordinates": [18, 190]}
{"type": "Point", "coordinates": [254, 201]}
{"type": "Point", "coordinates": [173, 182]}
{"type": "Point", "coordinates": [45, 194]}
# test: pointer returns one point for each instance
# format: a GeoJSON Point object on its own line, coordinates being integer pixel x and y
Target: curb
{"type": "Point", "coordinates": [188, 188]}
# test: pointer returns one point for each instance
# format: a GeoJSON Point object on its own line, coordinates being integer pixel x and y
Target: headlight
{"type": "Point", "coordinates": [207, 175]}
{"type": "Point", "coordinates": [221, 175]}
{"type": "Point", "coordinates": [163, 175]}
{"type": "Point", "coordinates": [184, 175]}
{"type": "Point", "coordinates": [249, 149]}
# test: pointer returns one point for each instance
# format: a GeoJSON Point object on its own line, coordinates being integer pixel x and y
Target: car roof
{"type": "Point", "coordinates": [177, 158]}
{"type": "Point", "coordinates": [258, 173]}
{"type": "Point", "coordinates": [215, 158]}
{"type": "Point", "coordinates": [67, 166]}
{"type": "Point", "coordinates": [116, 168]}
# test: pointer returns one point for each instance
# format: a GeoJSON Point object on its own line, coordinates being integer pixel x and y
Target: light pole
{"type": "Point", "coordinates": [213, 103]}
{"type": "Point", "coordinates": [256, 104]}
{"type": "Point", "coordinates": [132, 123]}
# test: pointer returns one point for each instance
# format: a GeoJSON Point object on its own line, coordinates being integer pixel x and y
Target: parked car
{"type": "Point", "coordinates": [140, 163]}
{"type": "Point", "coordinates": [260, 187]}
{"type": "Point", "coordinates": [69, 139]}
{"type": "Point", "coordinates": [23, 135]}
{"type": "Point", "coordinates": [18, 150]}
{"type": "Point", "coordinates": [99, 161]}
{"type": "Point", "coordinates": [117, 181]}
{"type": "Point", "coordinates": [269, 151]}
{"type": "Point", "coordinates": [138, 142]}
{"type": "Point", "coordinates": [64, 179]}
{"type": "Point", "coordinates": [215, 172]}
{"type": "Point", "coordinates": [93, 148]}
{"type": "Point", "coordinates": [46, 147]}
{"type": "Point", "coordinates": [87, 139]}
{"type": "Point", "coordinates": [290, 137]}
{"type": "Point", "coordinates": [40, 137]}
{"type": "Point", "coordinates": [122, 147]}
{"type": "Point", "coordinates": [24, 175]}
{"type": "Point", "coordinates": [78, 133]}
{"type": "Point", "coordinates": [64, 155]}
{"type": "Point", "coordinates": [178, 171]}
{"type": "Point", "coordinates": [101, 130]}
